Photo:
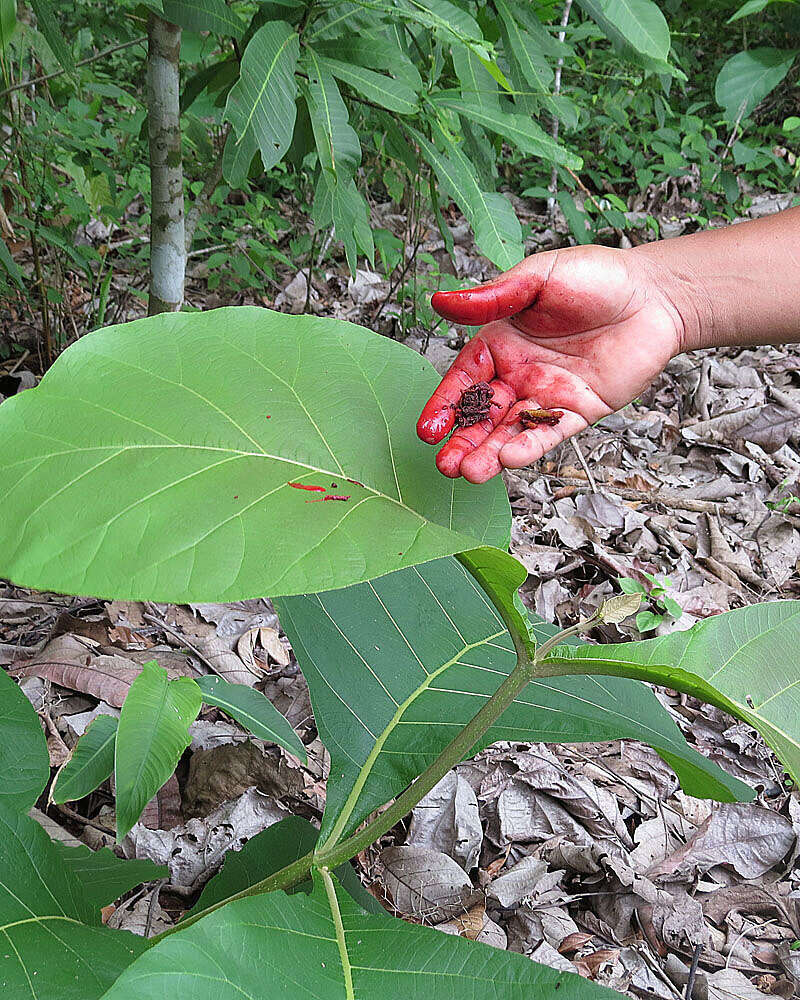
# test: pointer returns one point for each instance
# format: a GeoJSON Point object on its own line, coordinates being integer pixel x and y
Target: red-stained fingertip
{"type": "Point", "coordinates": [432, 427]}
{"type": "Point", "coordinates": [485, 303]}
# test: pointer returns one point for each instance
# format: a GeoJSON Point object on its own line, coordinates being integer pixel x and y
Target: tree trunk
{"type": "Point", "coordinates": [167, 243]}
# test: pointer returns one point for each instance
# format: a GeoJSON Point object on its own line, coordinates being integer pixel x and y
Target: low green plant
{"type": "Point", "coordinates": [240, 453]}
{"type": "Point", "coordinates": [662, 606]}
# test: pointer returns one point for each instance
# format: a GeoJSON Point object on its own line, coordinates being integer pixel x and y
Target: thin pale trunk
{"type": "Point", "coordinates": [551, 201]}
{"type": "Point", "coordinates": [167, 240]}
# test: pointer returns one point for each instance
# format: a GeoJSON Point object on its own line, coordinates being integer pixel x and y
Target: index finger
{"type": "Point", "coordinates": [474, 363]}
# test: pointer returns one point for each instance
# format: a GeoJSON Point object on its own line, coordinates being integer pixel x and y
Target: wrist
{"type": "Point", "coordinates": [684, 293]}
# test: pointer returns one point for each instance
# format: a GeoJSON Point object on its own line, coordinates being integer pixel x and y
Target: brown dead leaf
{"type": "Point", "coordinates": [163, 811]}
{"type": "Point", "coordinates": [216, 649]}
{"type": "Point", "coordinates": [72, 662]}
{"type": "Point", "coordinates": [746, 836]}
{"type": "Point", "coordinates": [426, 884]}
{"type": "Point", "coordinates": [224, 772]}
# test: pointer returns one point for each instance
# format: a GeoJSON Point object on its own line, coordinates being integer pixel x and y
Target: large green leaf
{"type": "Point", "coordinates": [92, 761]}
{"type": "Point", "coordinates": [518, 129]}
{"type": "Point", "coordinates": [445, 18]}
{"type": "Point", "coordinates": [398, 665]}
{"type": "Point", "coordinates": [477, 84]}
{"type": "Point", "coordinates": [746, 79]}
{"type": "Point", "coordinates": [498, 233]}
{"type": "Point", "coordinates": [24, 760]}
{"type": "Point", "coordinates": [53, 945]}
{"type": "Point", "coordinates": [343, 206]}
{"type": "Point", "coordinates": [262, 104]}
{"type": "Point", "coordinates": [266, 853]}
{"type": "Point", "coordinates": [338, 147]}
{"type": "Point", "coordinates": [324, 946]}
{"type": "Point", "coordinates": [50, 27]}
{"type": "Point", "coordinates": [154, 461]}
{"type": "Point", "coordinates": [253, 710]}
{"type": "Point", "coordinates": [744, 661]}
{"type": "Point", "coordinates": [153, 733]}
{"type": "Point", "coordinates": [373, 52]}
{"type": "Point", "coordinates": [204, 15]}
{"type": "Point", "coordinates": [395, 95]}
{"type": "Point", "coordinates": [104, 877]}
{"type": "Point", "coordinates": [8, 21]}
{"type": "Point", "coordinates": [636, 26]}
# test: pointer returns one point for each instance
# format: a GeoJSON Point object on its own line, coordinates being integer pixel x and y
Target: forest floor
{"type": "Point", "coordinates": [620, 876]}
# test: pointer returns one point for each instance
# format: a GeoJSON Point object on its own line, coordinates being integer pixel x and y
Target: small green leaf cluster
{"type": "Point", "coordinates": [663, 607]}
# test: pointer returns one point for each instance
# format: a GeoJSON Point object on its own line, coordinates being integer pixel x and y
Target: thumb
{"type": "Point", "coordinates": [510, 293]}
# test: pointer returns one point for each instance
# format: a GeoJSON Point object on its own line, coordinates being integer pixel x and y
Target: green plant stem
{"type": "Point", "coordinates": [457, 750]}
{"type": "Point", "coordinates": [452, 754]}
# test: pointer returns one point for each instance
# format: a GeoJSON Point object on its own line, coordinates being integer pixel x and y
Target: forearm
{"type": "Point", "coordinates": [734, 286]}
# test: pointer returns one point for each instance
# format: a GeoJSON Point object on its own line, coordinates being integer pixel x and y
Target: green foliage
{"type": "Point", "coordinates": [92, 761]}
{"type": "Point", "coordinates": [292, 400]}
{"type": "Point", "coordinates": [253, 711]}
{"type": "Point", "coordinates": [747, 78]}
{"type": "Point", "coordinates": [50, 923]}
{"type": "Point", "coordinates": [737, 661]}
{"type": "Point", "coordinates": [665, 606]}
{"type": "Point", "coordinates": [338, 950]}
{"type": "Point", "coordinates": [153, 733]}
{"type": "Point", "coordinates": [397, 666]}
{"type": "Point", "coordinates": [23, 748]}
{"type": "Point", "coordinates": [103, 876]}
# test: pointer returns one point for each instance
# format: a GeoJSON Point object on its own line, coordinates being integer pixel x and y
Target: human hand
{"type": "Point", "coordinates": [582, 330]}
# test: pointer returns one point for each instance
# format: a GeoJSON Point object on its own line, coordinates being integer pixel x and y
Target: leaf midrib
{"type": "Point", "coordinates": [366, 768]}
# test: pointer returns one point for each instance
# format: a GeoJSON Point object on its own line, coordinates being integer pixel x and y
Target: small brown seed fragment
{"type": "Point", "coordinates": [535, 418]}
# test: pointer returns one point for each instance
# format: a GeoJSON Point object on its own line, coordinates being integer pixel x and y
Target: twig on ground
{"type": "Point", "coordinates": [76, 816]}
{"type": "Point", "coordinates": [155, 620]}
{"type": "Point", "coordinates": [693, 971]}
{"type": "Point", "coordinates": [577, 449]}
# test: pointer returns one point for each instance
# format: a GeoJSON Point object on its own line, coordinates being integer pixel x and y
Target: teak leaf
{"type": "Point", "coordinates": [54, 945]}
{"type": "Point", "coordinates": [105, 877]}
{"type": "Point", "coordinates": [269, 851]}
{"type": "Point", "coordinates": [324, 945]}
{"type": "Point", "coordinates": [24, 760]}
{"type": "Point", "coordinates": [153, 733]}
{"type": "Point", "coordinates": [172, 459]}
{"type": "Point", "coordinates": [253, 710]}
{"type": "Point", "coordinates": [736, 660]}
{"type": "Point", "coordinates": [398, 665]}
{"type": "Point", "coordinates": [92, 761]}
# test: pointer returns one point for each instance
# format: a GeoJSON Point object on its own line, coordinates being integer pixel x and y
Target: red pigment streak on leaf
{"type": "Point", "coordinates": [302, 486]}
{"type": "Point", "coordinates": [236, 497]}
{"type": "Point", "coordinates": [330, 496]}
{"type": "Point", "coordinates": [269, 416]}
{"type": "Point", "coordinates": [355, 482]}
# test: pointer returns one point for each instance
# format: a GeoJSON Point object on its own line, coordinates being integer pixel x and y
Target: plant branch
{"type": "Point", "coordinates": [90, 59]}
{"type": "Point", "coordinates": [213, 179]}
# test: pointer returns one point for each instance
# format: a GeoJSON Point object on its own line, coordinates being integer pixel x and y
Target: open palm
{"type": "Point", "coordinates": [583, 330]}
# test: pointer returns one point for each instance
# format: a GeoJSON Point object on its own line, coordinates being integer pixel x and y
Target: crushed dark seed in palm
{"type": "Point", "coordinates": [474, 405]}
